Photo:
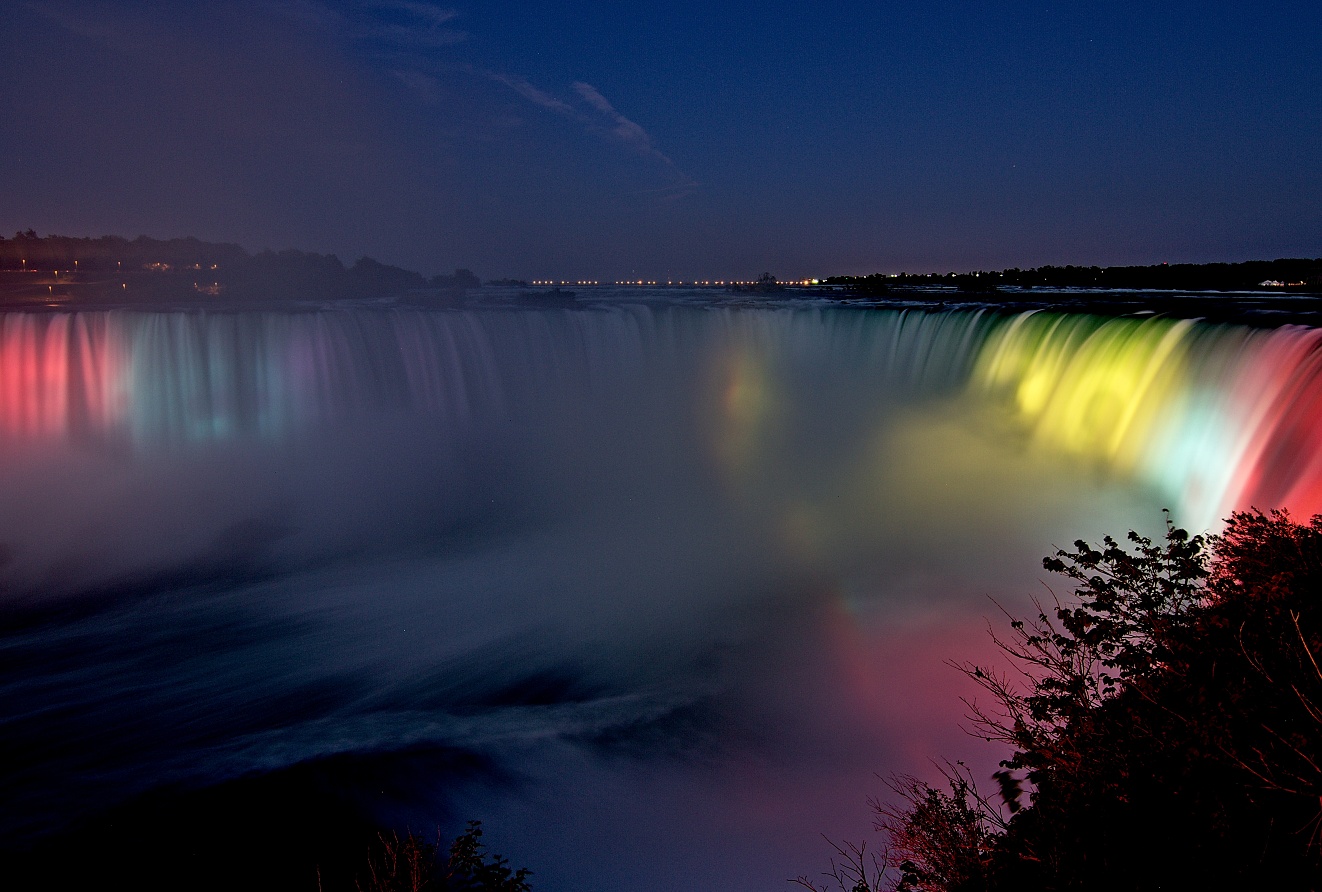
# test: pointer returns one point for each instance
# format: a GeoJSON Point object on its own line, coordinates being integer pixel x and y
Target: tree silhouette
{"type": "Point", "coordinates": [1165, 719]}
{"type": "Point", "coordinates": [411, 864]}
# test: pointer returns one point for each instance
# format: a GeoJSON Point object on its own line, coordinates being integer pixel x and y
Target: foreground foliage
{"type": "Point", "coordinates": [411, 864]}
{"type": "Point", "coordinates": [1166, 719]}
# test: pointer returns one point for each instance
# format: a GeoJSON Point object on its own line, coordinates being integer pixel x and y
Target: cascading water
{"type": "Point", "coordinates": [705, 558]}
{"type": "Point", "coordinates": [1214, 417]}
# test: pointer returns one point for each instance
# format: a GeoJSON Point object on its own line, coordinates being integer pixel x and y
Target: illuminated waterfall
{"type": "Point", "coordinates": [575, 544]}
{"type": "Point", "coordinates": [1214, 417]}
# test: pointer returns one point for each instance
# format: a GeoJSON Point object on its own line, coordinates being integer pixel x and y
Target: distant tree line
{"type": "Point", "coordinates": [1292, 274]}
{"type": "Point", "coordinates": [187, 266]}
{"type": "Point", "coordinates": [27, 250]}
{"type": "Point", "coordinates": [1165, 723]}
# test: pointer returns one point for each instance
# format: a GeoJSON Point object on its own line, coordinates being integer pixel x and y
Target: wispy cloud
{"type": "Point", "coordinates": [415, 24]}
{"type": "Point", "coordinates": [406, 32]}
{"type": "Point", "coordinates": [399, 24]}
{"type": "Point", "coordinates": [600, 116]}
{"type": "Point", "coordinates": [626, 130]}
{"type": "Point", "coordinates": [428, 12]}
{"type": "Point", "coordinates": [534, 95]}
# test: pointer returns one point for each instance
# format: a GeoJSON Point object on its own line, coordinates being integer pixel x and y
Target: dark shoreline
{"type": "Point", "coordinates": [61, 273]}
{"type": "Point", "coordinates": [146, 292]}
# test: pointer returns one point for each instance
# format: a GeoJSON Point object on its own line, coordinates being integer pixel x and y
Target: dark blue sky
{"type": "Point", "coordinates": [678, 140]}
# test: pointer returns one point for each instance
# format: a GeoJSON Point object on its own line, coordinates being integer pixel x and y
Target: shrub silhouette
{"type": "Point", "coordinates": [411, 864]}
{"type": "Point", "coordinates": [1166, 721]}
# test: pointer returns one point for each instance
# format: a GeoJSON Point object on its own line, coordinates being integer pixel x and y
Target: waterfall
{"type": "Point", "coordinates": [1215, 417]}
{"type": "Point", "coordinates": [576, 546]}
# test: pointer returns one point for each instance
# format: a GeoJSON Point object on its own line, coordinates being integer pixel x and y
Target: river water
{"type": "Point", "coordinates": [655, 590]}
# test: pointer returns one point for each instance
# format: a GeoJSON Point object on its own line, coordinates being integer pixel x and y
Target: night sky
{"type": "Point", "coordinates": [672, 140]}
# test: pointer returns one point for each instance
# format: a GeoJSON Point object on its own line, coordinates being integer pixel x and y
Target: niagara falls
{"type": "Point", "coordinates": [525, 447]}
{"type": "Point", "coordinates": [639, 543]}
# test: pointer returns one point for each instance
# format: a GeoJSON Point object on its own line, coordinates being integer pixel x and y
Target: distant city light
{"type": "Point", "coordinates": [675, 283]}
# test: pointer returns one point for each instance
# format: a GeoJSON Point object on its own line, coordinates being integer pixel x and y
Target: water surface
{"type": "Point", "coordinates": [654, 590]}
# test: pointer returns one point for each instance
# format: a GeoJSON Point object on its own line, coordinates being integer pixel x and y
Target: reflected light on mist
{"type": "Point", "coordinates": [718, 555]}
